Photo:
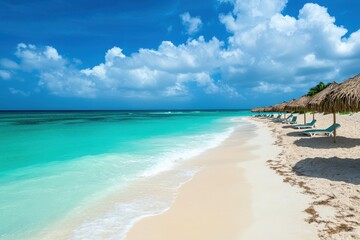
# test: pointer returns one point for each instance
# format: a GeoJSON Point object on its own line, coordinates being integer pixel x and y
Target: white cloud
{"type": "Point", "coordinates": [265, 87]}
{"type": "Point", "coordinates": [51, 53]}
{"type": "Point", "coordinates": [5, 75]}
{"type": "Point", "coordinates": [168, 71]}
{"type": "Point", "coordinates": [283, 50]}
{"type": "Point", "coordinates": [258, 9]}
{"type": "Point", "coordinates": [33, 58]}
{"type": "Point", "coordinates": [283, 24]}
{"type": "Point", "coordinates": [8, 64]}
{"type": "Point", "coordinates": [68, 82]}
{"type": "Point", "coordinates": [55, 72]}
{"type": "Point", "coordinates": [113, 54]}
{"type": "Point", "coordinates": [18, 92]}
{"type": "Point", "coordinates": [266, 52]}
{"type": "Point", "coordinates": [192, 24]}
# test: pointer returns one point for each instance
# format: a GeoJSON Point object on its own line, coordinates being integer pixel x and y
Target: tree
{"type": "Point", "coordinates": [318, 88]}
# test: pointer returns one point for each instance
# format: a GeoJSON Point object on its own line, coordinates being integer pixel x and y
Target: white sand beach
{"type": "Point", "coordinates": [235, 196]}
{"type": "Point", "coordinates": [327, 172]}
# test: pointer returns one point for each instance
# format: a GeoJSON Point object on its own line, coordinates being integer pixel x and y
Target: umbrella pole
{"type": "Point", "coordinates": [304, 117]}
{"type": "Point", "coordinates": [334, 127]}
{"type": "Point", "coordinates": [313, 115]}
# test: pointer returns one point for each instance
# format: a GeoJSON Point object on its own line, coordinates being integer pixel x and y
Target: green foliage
{"type": "Point", "coordinates": [318, 88]}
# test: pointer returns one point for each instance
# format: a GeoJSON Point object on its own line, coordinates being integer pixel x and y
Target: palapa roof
{"type": "Point", "coordinates": [315, 103]}
{"type": "Point", "coordinates": [263, 109]}
{"type": "Point", "coordinates": [344, 98]}
{"type": "Point", "coordinates": [257, 109]}
{"type": "Point", "coordinates": [267, 109]}
{"type": "Point", "coordinates": [289, 104]}
{"type": "Point", "coordinates": [279, 107]}
{"type": "Point", "coordinates": [299, 104]}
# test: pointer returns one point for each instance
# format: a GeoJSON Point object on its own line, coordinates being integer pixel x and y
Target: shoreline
{"type": "Point", "coordinates": [150, 194]}
{"type": "Point", "coordinates": [227, 200]}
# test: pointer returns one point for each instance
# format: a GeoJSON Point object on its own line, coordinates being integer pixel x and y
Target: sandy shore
{"type": "Point", "coordinates": [327, 172]}
{"type": "Point", "coordinates": [234, 196]}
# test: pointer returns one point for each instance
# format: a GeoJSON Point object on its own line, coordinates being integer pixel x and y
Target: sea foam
{"type": "Point", "coordinates": [114, 223]}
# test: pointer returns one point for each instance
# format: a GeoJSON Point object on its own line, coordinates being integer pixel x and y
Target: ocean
{"type": "Point", "coordinates": [76, 171]}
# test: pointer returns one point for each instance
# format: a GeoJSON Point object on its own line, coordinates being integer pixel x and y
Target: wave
{"type": "Point", "coordinates": [154, 199]}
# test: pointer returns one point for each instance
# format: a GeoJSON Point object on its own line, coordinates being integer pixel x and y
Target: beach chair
{"type": "Point", "coordinates": [278, 118]}
{"type": "Point", "coordinates": [327, 132]}
{"type": "Point", "coordinates": [293, 120]}
{"type": "Point", "coordinates": [287, 119]}
{"type": "Point", "coordinates": [307, 125]}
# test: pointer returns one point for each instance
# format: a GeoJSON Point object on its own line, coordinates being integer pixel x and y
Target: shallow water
{"type": "Point", "coordinates": [55, 163]}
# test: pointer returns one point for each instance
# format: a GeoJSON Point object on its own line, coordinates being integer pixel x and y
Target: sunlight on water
{"type": "Point", "coordinates": [54, 162]}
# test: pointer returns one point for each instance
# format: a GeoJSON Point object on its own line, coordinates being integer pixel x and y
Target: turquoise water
{"type": "Point", "coordinates": [53, 162]}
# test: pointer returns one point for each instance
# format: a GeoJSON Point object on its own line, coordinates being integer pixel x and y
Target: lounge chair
{"type": "Point", "coordinates": [327, 132]}
{"type": "Point", "coordinates": [287, 119]}
{"type": "Point", "coordinates": [307, 125]}
{"type": "Point", "coordinates": [278, 118]}
{"type": "Point", "coordinates": [292, 121]}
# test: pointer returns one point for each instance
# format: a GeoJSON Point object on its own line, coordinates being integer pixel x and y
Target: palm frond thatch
{"type": "Point", "coordinates": [344, 98]}
{"type": "Point", "coordinates": [263, 109]}
{"type": "Point", "coordinates": [268, 109]}
{"type": "Point", "coordinates": [279, 107]}
{"type": "Point", "coordinates": [287, 108]}
{"type": "Point", "coordinates": [299, 104]}
{"type": "Point", "coordinates": [315, 104]}
{"type": "Point", "coordinates": [256, 110]}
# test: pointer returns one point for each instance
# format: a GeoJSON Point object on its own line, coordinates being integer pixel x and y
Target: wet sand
{"type": "Point", "coordinates": [234, 196]}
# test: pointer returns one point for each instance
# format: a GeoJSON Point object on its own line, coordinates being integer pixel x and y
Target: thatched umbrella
{"type": "Point", "coordinates": [268, 109]}
{"type": "Point", "coordinates": [343, 98]}
{"type": "Point", "coordinates": [257, 109]}
{"type": "Point", "coordinates": [262, 109]}
{"type": "Point", "coordinates": [280, 107]}
{"type": "Point", "coordinates": [289, 105]}
{"type": "Point", "coordinates": [315, 102]}
{"type": "Point", "coordinates": [299, 104]}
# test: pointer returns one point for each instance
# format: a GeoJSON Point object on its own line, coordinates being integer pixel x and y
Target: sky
{"type": "Point", "coordinates": [172, 54]}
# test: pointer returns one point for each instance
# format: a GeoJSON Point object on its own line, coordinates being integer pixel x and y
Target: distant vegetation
{"type": "Point", "coordinates": [318, 88]}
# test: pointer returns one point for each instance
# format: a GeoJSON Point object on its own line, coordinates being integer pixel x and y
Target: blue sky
{"type": "Point", "coordinates": [166, 54]}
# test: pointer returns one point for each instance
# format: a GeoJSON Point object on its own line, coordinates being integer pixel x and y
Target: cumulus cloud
{"type": "Point", "coordinates": [166, 71]}
{"type": "Point", "coordinates": [56, 74]}
{"type": "Point", "coordinates": [192, 24]}
{"type": "Point", "coordinates": [284, 50]}
{"type": "Point", "coordinates": [34, 58]}
{"type": "Point", "coordinates": [169, 71]}
{"type": "Point", "coordinates": [266, 52]}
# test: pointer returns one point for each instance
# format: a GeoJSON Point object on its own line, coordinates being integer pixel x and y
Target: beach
{"type": "Point", "coordinates": [327, 172]}
{"type": "Point", "coordinates": [92, 174]}
{"type": "Point", "coordinates": [235, 195]}
{"type": "Point", "coordinates": [236, 177]}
